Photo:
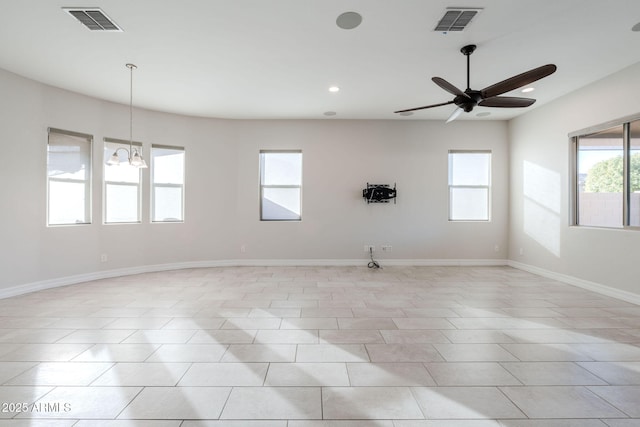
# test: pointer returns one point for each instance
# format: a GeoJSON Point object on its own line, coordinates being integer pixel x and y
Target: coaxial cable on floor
{"type": "Point", "coordinates": [373, 263]}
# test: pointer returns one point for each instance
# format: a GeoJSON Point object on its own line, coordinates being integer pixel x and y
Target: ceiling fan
{"type": "Point", "coordinates": [488, 97]}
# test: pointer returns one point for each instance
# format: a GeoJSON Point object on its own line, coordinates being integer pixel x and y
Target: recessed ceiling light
{"type": "Point", "coordinates": [334, 89]}
{"type": "Point", "coordinates": [528, 89]}
{"type": "Point", "coordinates": [329, 113]}
{"type": "Point", "coordinates": [483, 114]}
{"type": "Point", "coordinates": [636, 27]}
{"type": "Point", "coordinates": [349, 20]}
{"type": "Point", "coordinates": [407, 113]}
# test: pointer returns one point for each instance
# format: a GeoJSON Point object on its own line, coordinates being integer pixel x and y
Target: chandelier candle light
{"type": "Point", "coordinates": [133, 155]}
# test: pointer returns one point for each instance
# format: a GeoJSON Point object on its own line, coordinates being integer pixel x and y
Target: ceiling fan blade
{"type": "Point", "coordinates": [448, 86]}
{"type": "Point", "coordinates": [455, 114]}
{"type": "Point", "coordinates": [518, 81]}
{"type": "Point", "coordinates": [506, 102]}
{"type": "Point", "coordinates": [426, 106]}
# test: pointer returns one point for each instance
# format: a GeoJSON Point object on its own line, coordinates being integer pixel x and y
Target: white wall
{"type": "Point", "coordinates": [539, 204]}
{"type": "Point", "coordinates": [222, 187]}
{"type": "Point", "coordinates": [32, 252]}
{"type": "Point", "coordinates": [339, 158]}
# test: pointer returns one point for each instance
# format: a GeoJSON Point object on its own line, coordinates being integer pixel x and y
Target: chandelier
{"type": "Point", "coordinates": [134, 157]}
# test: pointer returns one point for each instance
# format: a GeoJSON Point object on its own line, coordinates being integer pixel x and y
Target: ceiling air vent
{"type": "Point", "coordinates": [456, 18]}
{"type": "Point", "coordinates": [93, 18]}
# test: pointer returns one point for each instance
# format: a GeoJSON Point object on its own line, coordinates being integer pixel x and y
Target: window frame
{"type": "Point", "coordinates": [126, 144]}
{"type": "Point", "coordinates": [574, 182]}
{"type": "Point", "coordinates": [153, 184]}
{"type": "Point", "coordinates": [488, 186]}
{"type": "Point", "coordinates": [281, 186]}
{"type": "Point", "coordinates": [88, 193]}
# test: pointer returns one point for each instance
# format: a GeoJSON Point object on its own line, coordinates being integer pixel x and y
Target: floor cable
{"type": "Point", "coordinates": [373, 263]}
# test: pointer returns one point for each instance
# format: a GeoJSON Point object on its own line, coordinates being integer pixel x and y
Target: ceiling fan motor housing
{"type": "Point", "coordinates": [468, 102]}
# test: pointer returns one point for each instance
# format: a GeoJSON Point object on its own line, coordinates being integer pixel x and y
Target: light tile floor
{"type": "Point", "coordinates": [320, 347]}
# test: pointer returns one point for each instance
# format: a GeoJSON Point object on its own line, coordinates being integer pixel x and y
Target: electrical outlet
{"type": "Point", "coordinates": [243, 249]}
{"type": "Point", "coordinates": [104, 258]}
{"type": "Point", "coordinates": [386, 248]}
{"type": "Point", "coordinates": [496, 248]}
{"type": "Point", "coordinates": [521, 251]}
{"type": "Point", "coordinates": [369, 248]}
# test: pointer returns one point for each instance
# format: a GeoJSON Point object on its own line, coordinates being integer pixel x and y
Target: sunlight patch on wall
{"type": "Point", "coordinates": [541, 189]}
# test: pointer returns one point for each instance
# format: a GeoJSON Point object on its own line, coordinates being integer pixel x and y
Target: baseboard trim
{"type": "Point", "coordinates": [581, 283]}
{"type": "Point", "coordinates": [443, 262]}
{"type": "Point", "coordinates": [98, 275]}
{"type": "Point", "coordinates": [363, 262]}
{"type": "Point", "coordinates": [108, 274]}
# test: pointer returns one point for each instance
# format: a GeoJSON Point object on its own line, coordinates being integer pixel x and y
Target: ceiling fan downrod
{"type": "Point", "coordinates": [467, 51]}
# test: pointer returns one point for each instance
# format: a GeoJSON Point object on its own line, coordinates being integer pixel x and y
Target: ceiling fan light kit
{"type": "Point", "coordinates": [468, 99]}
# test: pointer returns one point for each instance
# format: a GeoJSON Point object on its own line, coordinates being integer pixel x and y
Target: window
{"type": "Point", "coordinates": [600, 176]}
{"type": "Point", "coordinates": [167, 184]}
{"type": "Point", "coordinates": [280, 185]}
{"type": "Point", "coordinates": [469, 185]}
{"type": "Point", "coordinates": [634, 173]}
{"type": "Point", "coordinates": [606, 177]}
{"type": "Point", "coordinates": [68, 178]}
{"type": "Point", "coordinates": [121, 184]}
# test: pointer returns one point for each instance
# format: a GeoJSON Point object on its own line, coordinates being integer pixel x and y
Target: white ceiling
{"type": "Point", "coordinates": [276, 59]}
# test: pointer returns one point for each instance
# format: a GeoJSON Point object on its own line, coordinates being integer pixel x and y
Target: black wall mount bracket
{"type": "Point", "coordinates": [379, 193]}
